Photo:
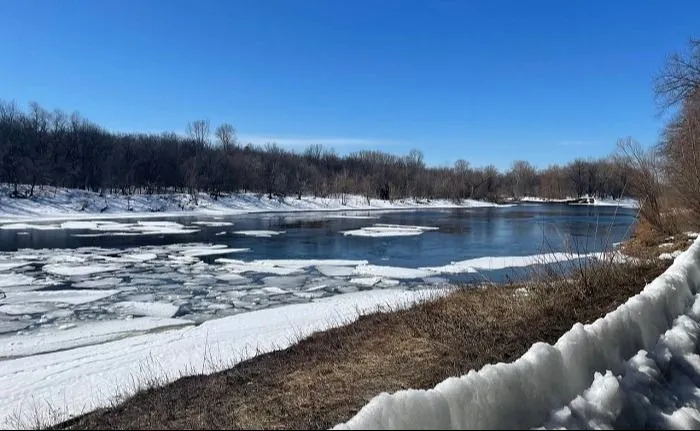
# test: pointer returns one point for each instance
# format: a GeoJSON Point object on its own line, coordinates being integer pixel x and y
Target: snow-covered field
{"type": "Point", "coordinates": [638, 367]}
{"type": "Point", "coordinates": [61, 204]}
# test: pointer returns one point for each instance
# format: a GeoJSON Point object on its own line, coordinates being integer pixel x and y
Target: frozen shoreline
{"type": "Point", "coordinates": [71, 204]}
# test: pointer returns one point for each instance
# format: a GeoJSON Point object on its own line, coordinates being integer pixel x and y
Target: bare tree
{"type": "Point", "coordinates": [679, 80]}
{"type": "Point", "coordinates": [646, 183]}
{"type": "Point", "coordinates": [199, 131]}
{"type": "Point", "coordinates": [226, 135]}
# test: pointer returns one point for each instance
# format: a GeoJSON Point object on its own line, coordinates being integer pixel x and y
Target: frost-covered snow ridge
{"type": "Point", "coordinates": [61, 203]}
{"type": "Point", "coordinates": [637, 367]}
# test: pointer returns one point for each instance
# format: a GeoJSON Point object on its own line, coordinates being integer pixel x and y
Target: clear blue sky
{"type": "Point", "coordinates": [487, 81]}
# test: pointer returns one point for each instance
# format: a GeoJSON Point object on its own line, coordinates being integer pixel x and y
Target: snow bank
{"type": "Point", "coordinates": [61, 204]}
{"type": "Point", "coordinates": [79, 379]}
{"type": "Point", "coordinates": [532, 389]}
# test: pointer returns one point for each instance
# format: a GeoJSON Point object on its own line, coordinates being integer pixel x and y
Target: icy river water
{"type": "Point", "coordinates": [155, 273]}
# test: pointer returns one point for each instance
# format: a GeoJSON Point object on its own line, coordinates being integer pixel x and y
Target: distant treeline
{"type": "Point", "coordinates": [38, 147]}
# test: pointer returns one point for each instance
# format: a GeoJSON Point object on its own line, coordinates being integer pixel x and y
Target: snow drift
{"type": "Point", "coordinates": [601, 372]}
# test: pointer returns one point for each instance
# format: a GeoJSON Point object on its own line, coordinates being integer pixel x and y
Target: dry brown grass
{"type": "Point", "coordinates": [645, 240]}
{"type": "Point", "coordinates": [327, 377]}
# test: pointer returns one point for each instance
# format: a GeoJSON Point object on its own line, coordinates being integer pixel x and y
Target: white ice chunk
{"type": "Point", "coordinates": [335, 271]}
{"type": "Point", "coordinates": [71, 270]}
{"type": "Point", "coordinates": [91, 225]}
{"type": "Point", "coordinates": [365, 281]}
{"type": "Point", "coordinates": [274, 290]}
{"type": "Point", "coordinates": [139, 257]}
{"type": "Point", "coordinates": [7, 265]}
{"type": "Point", "coordinates": [213, 223]}
{"type": "Point", "coordinates": [7, 326]}
{"type": "Point", "coordinates": [153, 309]}
{"type": "Point", "coordinates": [84, 378]}
{"type": "Point", "coordinates": [260, 233]}
{"type": "Point", "coordinates": [22, 309]}
{"type": "Point", "coordinates": [11, 280]}
{"type": "Point", "coordinates": [212, 251]}
{"type": "Point", "coordinates": [26, 226]}
{"type": "Point", "coordinates": [73, 296]}
{"type": "Point", "coordinates": [305, 263]}
{"type": "Point", "coordinates": [488, 263]}
{"type": "Point", "coordinates": [85, 334]}
{"type": "Point", "coordinates": [392, 271]}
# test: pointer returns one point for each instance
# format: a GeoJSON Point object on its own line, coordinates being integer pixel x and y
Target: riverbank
{"type": "Point", "coordinates": [326, 378]}
{"type": "Point", "coordinates": [50, 203]}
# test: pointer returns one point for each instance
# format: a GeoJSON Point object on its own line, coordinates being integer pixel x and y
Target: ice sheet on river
{"type": "Point", "coordinates": [62, 338]}
{"type": "Point", "coordinates": [80, 379]}
{"type": "Point", "coordinates": [489, 263]}
{"type": "Point", "coordinates": [73, 296]}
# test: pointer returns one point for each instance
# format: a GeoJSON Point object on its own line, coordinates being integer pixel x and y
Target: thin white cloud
{"type": "Point", "coordinates": [296, 142]}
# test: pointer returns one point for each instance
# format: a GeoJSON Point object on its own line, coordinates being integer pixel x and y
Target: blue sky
{"type": "Point", "coordinates": [487, 81]}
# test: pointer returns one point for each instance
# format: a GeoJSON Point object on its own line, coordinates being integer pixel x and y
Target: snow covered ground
{"type": "Point", "coordinates": [623, 202]}
{"type": "Point", "coordinates": [70, 381]}
{"type": "Point", "coordinates": [637, 367]}
{"type": "Point", "coordinates": [60, 204]}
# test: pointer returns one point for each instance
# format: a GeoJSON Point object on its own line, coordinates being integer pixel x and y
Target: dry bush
{"type": "Point", "coordinates": [681, 147]}
{"type": "Point", "coordinates": [647, 184]}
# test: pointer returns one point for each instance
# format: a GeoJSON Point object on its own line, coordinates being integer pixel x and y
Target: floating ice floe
{"type": "Point", "coordinates": [366, 281]}
{"type": "Point", "coordinates": [27, 226]}
{"type": "Point", "coordinates": [75, 270]}
{"type": "Point", "coordinates": [358, 217]}
{"type": "Point", "coordinates": [489, 263]}
{"type": "Point", "coordinates": [335, 271]}
{"type": "Point", "coordinates": [22, 309]}
{"type": "Point", "coordinates": [212, 250]}
{"type": "Point", "coordinates": [54, 339]}
{"type": "Point", "coordinates": [151, 308]}
{"type": "Point", "coordinates": [260, 233]}
{"type": "Point", "coordinates": [139, 257]}
{"type": "Point", "coordinates": [69, 296]}
{"type": "Point", "coordinates": [7, 265]}
{"type": "Point", "coordinates": [87, 225]}
{"type": "Point", "coordinates": [13, 280]}
{"type": "Point", "coordinates": [213, 223]}
{"type": "Point", "coordinates": [99, 283]}
{"type": "Point", "coordinates": [7, 326]}
{"type": "Point", "coordinates": [392, 272]}
{"type": "Point", "coordinates": [88, 377]}
{"type": "Point", "coordinates": [385, 230]}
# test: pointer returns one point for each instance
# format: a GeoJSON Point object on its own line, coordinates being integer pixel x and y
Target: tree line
{"type": "Point", "coordinates": [41, 147]}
